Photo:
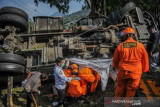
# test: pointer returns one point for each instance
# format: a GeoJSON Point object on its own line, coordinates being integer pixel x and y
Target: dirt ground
{"type": "Point", "coordinates": [95, 99]}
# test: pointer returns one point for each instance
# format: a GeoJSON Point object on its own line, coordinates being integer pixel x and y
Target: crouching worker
{"type": "Point", "coordinates": [88, 75]}
{"type": "Point", "coordinates": [31, 85]}
{"type": "Point", "coordinates": [60, 80]}
{"type": "Point", "coordinates": [74, 87]}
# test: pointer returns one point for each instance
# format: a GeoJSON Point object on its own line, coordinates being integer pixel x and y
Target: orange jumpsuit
{"type": "Point", "coordinates": [67, 72]}
{"type": "Point", "coordinates": [88, 75]}
{"type": "Point", "coordinates": [95, 83]}
{"type": "Point", "coordinates": [74, 87]}
{"type": "Point", "coordinates": [131, 59]}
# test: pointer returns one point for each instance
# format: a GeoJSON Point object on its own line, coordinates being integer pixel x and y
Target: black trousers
{"type": "Point", "coordinates": [62, 94]}
{"type": "Point", "coordinates": [32, 97]}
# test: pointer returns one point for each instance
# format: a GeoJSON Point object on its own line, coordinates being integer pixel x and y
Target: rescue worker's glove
{"type": "Point", "coordinates": [77, 78]}
{"type": "Point", "coordinates": [67, 63]}
{"type": "Point", "coordinates": [55, 104]}
{"type": "Point", "coordinates": [24, 82]}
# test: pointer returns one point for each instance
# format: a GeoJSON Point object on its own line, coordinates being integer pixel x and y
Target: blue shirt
{"type": "Point", "coordinates": [60, 78]}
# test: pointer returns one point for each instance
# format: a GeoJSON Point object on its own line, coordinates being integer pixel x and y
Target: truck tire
{"type": "Point", "coordinates": [126, 9]}
{"type": "Point", "coordinates": [13, 20]}
{"type": "Point", "coordinates": [11, 69]}
{"type": "Point", "coordinates": [15, 11]}
{"type": "Point", "coordinates": [12, 58]}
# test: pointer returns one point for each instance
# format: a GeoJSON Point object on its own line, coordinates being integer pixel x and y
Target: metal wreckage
{"type": "Point", "coordinates": [94, 36]}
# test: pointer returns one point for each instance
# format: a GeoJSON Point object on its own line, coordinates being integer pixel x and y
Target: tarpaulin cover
{"type": "Point", "coordinates": [102, 66]}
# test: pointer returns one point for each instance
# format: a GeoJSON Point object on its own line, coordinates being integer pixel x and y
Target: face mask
{"type": "Point", "coordinates": [63, 65]}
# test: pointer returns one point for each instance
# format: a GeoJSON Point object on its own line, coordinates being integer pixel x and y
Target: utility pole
{"type": "Point", "coordinates": [104, 3]}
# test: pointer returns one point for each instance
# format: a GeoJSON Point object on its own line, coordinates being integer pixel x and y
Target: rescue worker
{"type": "Point", "coordinates": [153, 48]}
{"type": "Point", "coordinates": [88, 75]}
{"type": "Point", "coordinates": [74, 68]}
{"type": "Point", "coordinates": [131, 59]}
{"type": "Point", "coordinates": [31, 85]}
{"type": "Point", "coordinates": [60, 80]}
{"type": "Point", "coordinates": [74, 87]}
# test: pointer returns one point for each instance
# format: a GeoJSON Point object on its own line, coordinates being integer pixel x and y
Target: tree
{"type": "Point", "coordinates": [62, 5]}
{"type": "Point", "coordinates": [97, 6]}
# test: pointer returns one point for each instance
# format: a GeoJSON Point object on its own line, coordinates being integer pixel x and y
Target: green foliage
{"type": "Point", "coordinates": [62, 5]}
{"type": "Point", "coordinates": [30, 25]}
{"type": "Point", "coordinates": [30, 22]}
{"type": "Point", "coordinates": [145, 5]}
{"type": "Point", "coordinates": [75, 16]}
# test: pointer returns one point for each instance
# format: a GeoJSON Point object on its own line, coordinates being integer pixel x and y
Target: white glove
{"type": "Point", "coordinates": [39, 92]}
{"type": "Point", "coordinates": [67, 63]}
{"type": "Point", "coordinates": [54, 103]}
{"type": "Point", "coordinates": [23, 82]}
{"type": "Point", "coordinates": [77, 78]}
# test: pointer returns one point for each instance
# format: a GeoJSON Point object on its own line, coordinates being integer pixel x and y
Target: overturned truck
{"type": "Point", "coordinates": [94, 36]}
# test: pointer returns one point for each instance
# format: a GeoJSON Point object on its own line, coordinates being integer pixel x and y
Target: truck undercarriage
{"type": "Point", "coordinates": [91, 37]}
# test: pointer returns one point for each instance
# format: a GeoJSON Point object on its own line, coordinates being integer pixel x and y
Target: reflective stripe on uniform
{"type": "Point", "coordinates": [34, 99]}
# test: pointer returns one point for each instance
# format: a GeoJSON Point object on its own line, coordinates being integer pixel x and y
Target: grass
{"type": "Point", "coordinates": [19, 97]}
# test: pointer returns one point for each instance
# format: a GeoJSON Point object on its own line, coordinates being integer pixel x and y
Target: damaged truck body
{"type": "Point", "coordinates": [94, 36]}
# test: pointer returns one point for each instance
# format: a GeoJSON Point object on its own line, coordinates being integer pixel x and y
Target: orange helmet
{"type": "Point", "coordinates": [75, 70]}
{"type": "Point", "coordinates": [128, 30]}
{"type": "Point", "coordinates": [74, 66]}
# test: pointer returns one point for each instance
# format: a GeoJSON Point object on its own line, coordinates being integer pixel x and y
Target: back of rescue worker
{"type": "Point", "coordinates": [131, 59]}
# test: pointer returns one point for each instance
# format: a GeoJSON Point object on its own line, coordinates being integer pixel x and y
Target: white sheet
{"type": "Point", "coordinates": [102, 66]}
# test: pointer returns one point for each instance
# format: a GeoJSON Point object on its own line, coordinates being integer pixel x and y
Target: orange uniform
{"type": "Point", "coordinates": [77, 88]}
{"type": "Point", "coordinates": [95, 83]}
{"type": "Point", "coordinates": [88, 75]}
{"type": "Point", "coordinates": [74, 87]}
{"type": "Point", "coordinates": [67, 72]}
{"type": "Point", "coordinates": [131, 59]}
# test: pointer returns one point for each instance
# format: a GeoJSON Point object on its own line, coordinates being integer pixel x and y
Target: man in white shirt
{"type": "Point", "coordinates": [61, 79]}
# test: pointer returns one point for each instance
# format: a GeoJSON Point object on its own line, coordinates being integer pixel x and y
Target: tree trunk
{"type": "Point", "coordinates": [104, 7]}
{"type": "Point", "coordinates": [9, 92]}
{"type": "Point", "coordinates": [89, 3]}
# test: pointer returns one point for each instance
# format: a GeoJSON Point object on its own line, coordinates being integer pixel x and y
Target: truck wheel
{"type": "Point", "coordinates": [11, 69]}
{"type": "Point", "coordinates": [126, 9]}
{"type": "Point", "coordinates": [12, 58]}
{"type": "Point", "coordinates": [15, 11]}
{"type": "Point", "coordinates": [13, 20]}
